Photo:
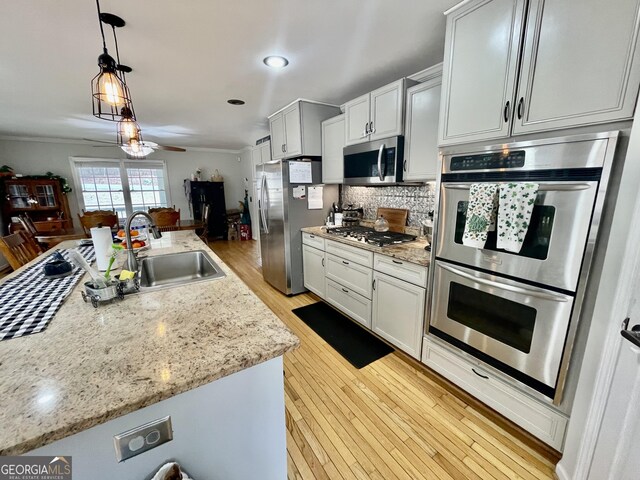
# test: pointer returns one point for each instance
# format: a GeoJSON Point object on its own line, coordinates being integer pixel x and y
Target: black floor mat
{"type": "Point", "coordinates": [355, 344]}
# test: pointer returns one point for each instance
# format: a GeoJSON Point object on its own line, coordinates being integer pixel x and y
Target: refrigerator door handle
{"type": "Point", "coordinates": [262, 210]}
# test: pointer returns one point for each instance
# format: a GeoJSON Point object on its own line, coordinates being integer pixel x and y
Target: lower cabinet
{"type": "Point", "coordinates": [349, 302]}
{"type": "Point", "coordinates": [398, 312]}
{"type": "Point", "coordinates": [536, 417]}
{"type": "Point", "coordinates": [313, 267]}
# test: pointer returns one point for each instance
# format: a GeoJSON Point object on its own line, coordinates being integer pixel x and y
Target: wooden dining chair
{"type": "Point", "coordinates": [166, 220]}
{"type": "Point", "coordinates": [106, 218]}
{"type": "Point", "coordinates": [19, 249]}
{"type": "Point", "coordinates": [204, 234]}
{"type": "Point", "coordinates": [161, 209]}
{"type": "Point", "coordinates": [28, 225]}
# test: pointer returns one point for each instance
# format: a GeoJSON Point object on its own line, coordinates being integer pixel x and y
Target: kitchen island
{"type": "Point", "coordinates": [207, 353]}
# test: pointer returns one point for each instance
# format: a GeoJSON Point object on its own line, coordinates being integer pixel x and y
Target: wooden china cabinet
{"type": "Point", "coordinates": [41, 199]}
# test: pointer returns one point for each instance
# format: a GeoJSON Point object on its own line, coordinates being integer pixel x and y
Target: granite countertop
{"type": "Point", "coordinates": [413, 252]}
{"type": "Point", "coordinates": [92, 365]}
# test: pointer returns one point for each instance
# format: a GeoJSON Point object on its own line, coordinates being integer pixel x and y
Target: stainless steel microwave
{"type": "Point", "coordinates": [374, 163]}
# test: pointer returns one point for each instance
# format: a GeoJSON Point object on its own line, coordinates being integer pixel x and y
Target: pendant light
{"type": "Point", "coordinates": [127, 129]}
{"type": "Point", "coordinates": [108, 88]}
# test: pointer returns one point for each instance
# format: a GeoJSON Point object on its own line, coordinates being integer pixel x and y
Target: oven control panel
{"type": "Point", "coordinates": [488, 161]}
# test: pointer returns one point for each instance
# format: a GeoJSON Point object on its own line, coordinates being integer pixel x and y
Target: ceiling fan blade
{"type": "Point", "coordinates": [99, 141]}
{"type": "Point", "coordinates": [170, 148]}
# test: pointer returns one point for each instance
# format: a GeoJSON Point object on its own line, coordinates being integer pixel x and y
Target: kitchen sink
{"type": "Point", "coordinates": [176, 269]}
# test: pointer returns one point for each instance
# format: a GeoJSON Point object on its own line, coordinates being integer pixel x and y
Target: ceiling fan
{"type": "Point", "coordinates": [138, 149]}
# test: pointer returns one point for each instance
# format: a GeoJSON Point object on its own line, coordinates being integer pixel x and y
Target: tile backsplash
{"type": "Point", "coordinates": [418, 199]}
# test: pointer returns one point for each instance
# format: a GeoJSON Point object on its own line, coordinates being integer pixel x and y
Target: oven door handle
{"type": "Point", "coordinates": [544, 187]}
{"type": "Point", "coordinates": [554, 297]}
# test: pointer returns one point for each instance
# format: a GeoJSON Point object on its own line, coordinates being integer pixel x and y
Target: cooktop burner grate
{"type": "Point", "coordinates": [370, 236]}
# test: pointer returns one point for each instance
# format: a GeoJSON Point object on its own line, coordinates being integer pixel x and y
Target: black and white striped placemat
{"type": "Point", "coordinates": [30, 300]}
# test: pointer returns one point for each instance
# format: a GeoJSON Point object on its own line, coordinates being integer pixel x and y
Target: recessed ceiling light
{"type": "Point", "coordinates": [275, 61]}
{"type": "Point", "coordinates": [235, 101]}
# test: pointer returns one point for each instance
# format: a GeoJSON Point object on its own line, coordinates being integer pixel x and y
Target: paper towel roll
{"type": "Point", "coordinates": [102, 241]}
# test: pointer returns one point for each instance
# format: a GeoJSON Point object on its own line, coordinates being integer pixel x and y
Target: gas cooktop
{"type": "Point", "coordinates": [370, 236]}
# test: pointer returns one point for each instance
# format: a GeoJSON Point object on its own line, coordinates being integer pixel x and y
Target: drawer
{"type": "Point", "coordinates": [350, 275]}
{"type": "Point", "coordinates": [350, 253]}
{"type": "Point", "coordinates": [535, 416]}
{"type": "Point", "coordinates": [407, 271]}
{"type": "Point", "coordinates": [313, 240]}
{"type": "Point", "coordinates": [347, 301]}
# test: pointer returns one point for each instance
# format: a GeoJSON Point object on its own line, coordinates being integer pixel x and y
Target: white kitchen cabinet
{"type": "Point", "coordinates": [482, 46]}
{"type": "Point", "coordinates": [535, 416]}
{"type": "Point", "coordinates": [356, 122]}
{"type": "Point", "coordinates": [349, 302]}
{"type": "Point", "coordinates": [295, 129]}
{"type": "Point", "coordinates": [421, 131]}
{"type": "Point", "coordinates": [579, 66]}
{"type": "Point", "coordinates": [260, 154]}
{"type": "Point", "coordinates": [349, 274]}
{"type": "Point", "coordinates": [398, 312]}
{"type": "Point", "coordinates": [313, 270]}
{"type": "Point", "coordinates": [333, 131]}
{"type": "Point", "coordinates": [376, 115]}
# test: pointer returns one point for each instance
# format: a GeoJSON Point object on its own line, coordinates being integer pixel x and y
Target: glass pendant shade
{"type": "Point", "coordinates": [128, 129]}
{"type": "Point", "coordinates": [137, 148]}
{"type": "Point", "coordinates": [110, 94]}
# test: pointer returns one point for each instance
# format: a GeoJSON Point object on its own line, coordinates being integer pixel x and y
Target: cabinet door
{"type": "Point", "coordinates": [580, 64]}
{"type": "Point", "coordinates": [387, 111]}
{"type": "Point", "coordinates": [332, 146]}
{"type": "Point", "coordinates": [398, 312]}
{"type": "Point", "coordinates": [276, 126]}
{"type": "Point", "coordinates": [482, 45]}
{"type": "Point", "coordinates": [265, 152]}
{"type": "Point", "coordinates": [292, 132]}
{"type": "Point", "coordinates": [421, 142]}
{"type": "Point", "coordinates": [356, 120]}
{"type": "Point", "coordinates": [313, 270]}
{"type": "Point", "coordinates": [256, 159]}
{"type": "Point", "coordinates": [19, 196]}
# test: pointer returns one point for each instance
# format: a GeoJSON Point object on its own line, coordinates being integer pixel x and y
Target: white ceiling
{"type": "Point", "coordinates": [190, 56]}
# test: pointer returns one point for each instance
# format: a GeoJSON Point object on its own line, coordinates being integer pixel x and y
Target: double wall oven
{"type": "Point", "coordinates": [518, 312]}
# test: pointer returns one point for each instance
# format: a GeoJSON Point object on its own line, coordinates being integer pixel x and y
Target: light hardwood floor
{"type": "Point", "coordinates": [393, 419]}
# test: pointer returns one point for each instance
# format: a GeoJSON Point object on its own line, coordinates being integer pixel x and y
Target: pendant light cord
{"type": "Point", "coordinates": [104, 42]}
{"type": "Point", "coordinates": [115, 41]}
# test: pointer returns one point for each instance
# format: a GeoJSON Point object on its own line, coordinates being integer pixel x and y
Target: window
{"type": "Point", "coordinates": [120, 185]}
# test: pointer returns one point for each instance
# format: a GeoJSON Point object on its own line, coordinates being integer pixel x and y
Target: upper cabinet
{"type": "Point", "coordinates": [332, 150]}
{"type": "Point", "coordinates": [295, 129]}
{"type": "Point", "coordinates": [578, 60]}
{"type": "Point", "coordinates": [376, 115]}
{"type": "Point", "coordinates": [421, 128]}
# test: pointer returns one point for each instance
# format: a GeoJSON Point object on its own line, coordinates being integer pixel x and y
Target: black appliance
{"type": "Point", "coordinates": [370, 236]}
{"type": "Point", "coordinates": [211, 193]}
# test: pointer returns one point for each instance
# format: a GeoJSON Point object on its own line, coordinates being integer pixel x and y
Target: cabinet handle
{"type": "Point", "coordinates": [285, 148]}
{"type": "Point", "coordinates": [366, 129]}
{"type": "Point", "coordinates": [506, 110]}
{"type": "Point", "coordinates": [373, 285]}
{"type": "Point", "coordinates": [479, 374]}
{"type": "Point", "coordinates": [311, 236]}
{"type": "Point", "coordinates": [520, 107]}
{"type": "Point", "coordinates": [371, 129]}
{"type": "Point", "coordinates": [345, 290]}
{"type": "Point", "coordinates": [323, 261]}
{"type": "Point", "coordinates": [345, 262]}
{"type": "Point", "coordinates": [397, 262]}
{"type": "Point", "coordinates": [404, 165]}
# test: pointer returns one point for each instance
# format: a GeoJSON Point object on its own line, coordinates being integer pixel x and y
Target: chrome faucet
{"type": "Point", "coordinates": [132, 260]}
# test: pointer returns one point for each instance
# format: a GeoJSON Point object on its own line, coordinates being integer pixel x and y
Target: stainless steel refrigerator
{"type": "Point", "coordinates": [283, 209]}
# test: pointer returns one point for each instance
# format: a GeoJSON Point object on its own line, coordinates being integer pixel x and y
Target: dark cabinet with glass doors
{"type": "Point", "coordinates": [41, 199]}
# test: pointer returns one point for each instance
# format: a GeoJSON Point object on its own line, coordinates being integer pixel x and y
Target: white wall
{"type": "Point", "coordinates": [37, 158]}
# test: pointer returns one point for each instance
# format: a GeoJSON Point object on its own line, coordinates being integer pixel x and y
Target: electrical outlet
{"type": "Point", "coordinates": [143, 438]}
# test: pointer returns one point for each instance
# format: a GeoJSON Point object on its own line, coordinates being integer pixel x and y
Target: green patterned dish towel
{"type": "Point", "coordinates": [481, 214]}
{"type": "Point", "coordinates": [516, 205]}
